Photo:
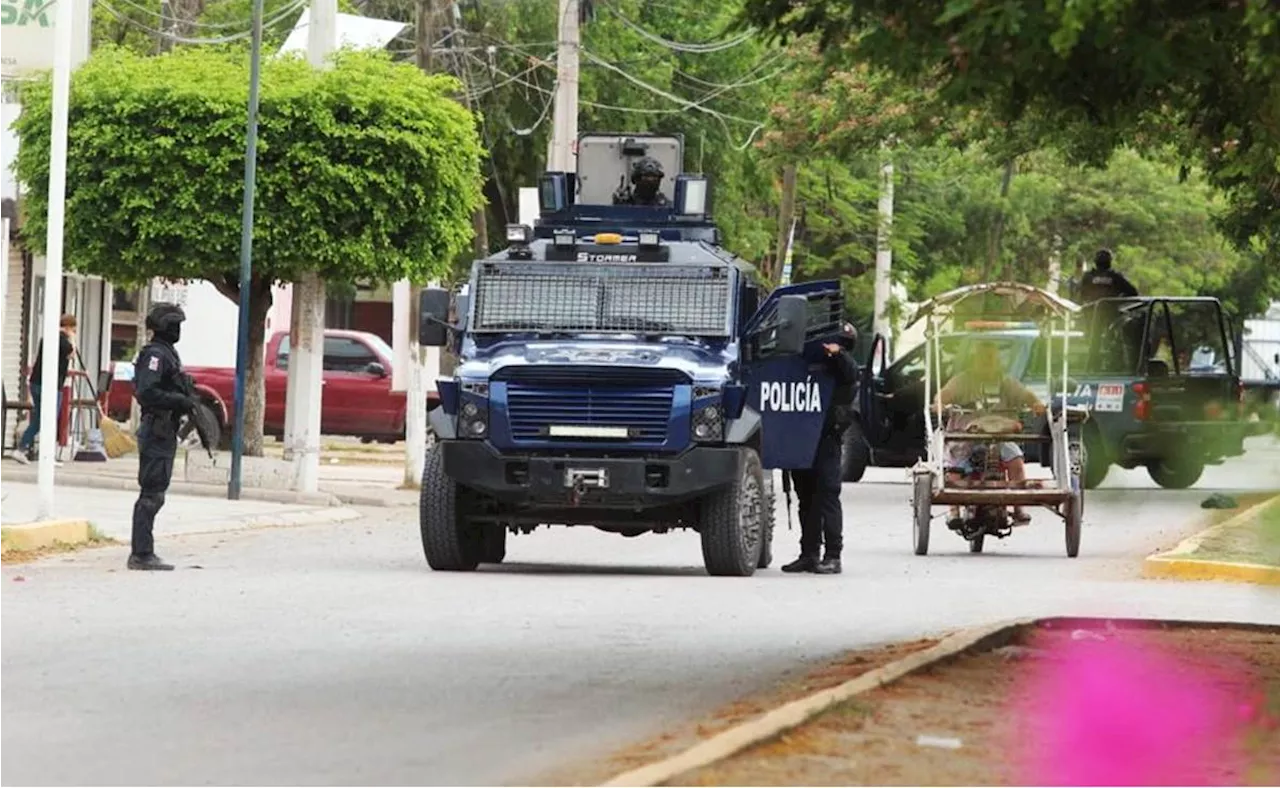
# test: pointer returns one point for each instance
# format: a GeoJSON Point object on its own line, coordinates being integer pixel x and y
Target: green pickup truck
{"type": "Point", "coordinates": [1156, 374]}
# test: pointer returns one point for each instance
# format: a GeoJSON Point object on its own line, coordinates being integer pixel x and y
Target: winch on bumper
{"type": "Point", "coordinates": [610, 482]}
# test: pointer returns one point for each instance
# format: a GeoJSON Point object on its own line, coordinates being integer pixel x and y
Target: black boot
{"type": "Point", "coordinates": [149, 562]}
{"type": "Point", "coordinates": [805, 563]}
{"type": "Point", "coordinates": [829, 566]}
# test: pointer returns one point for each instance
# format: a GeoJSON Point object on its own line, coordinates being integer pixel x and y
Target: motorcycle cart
{"type": "Point", "coordinates": [979, 486]}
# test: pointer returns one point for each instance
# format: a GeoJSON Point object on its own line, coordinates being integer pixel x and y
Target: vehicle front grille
{"type": "Point", "coordinates": [597, 398]}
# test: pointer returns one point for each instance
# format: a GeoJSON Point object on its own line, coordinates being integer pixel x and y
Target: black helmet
{"type": "Point", "coordinates": [848, 336]}
{"type": "Point", "coordinates": [163, 315]}
{"type": "Point", "coordinates": [1102, 259]}
{"type": "Point", "coordinates": [646, 167]}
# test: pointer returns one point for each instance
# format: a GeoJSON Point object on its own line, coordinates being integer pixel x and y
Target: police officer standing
{"type": "Point", "coordinates": [164, 393]}
{"type": "Point", "coordinates": [1102, 282]}
{"type": "Point", "coordinates": [646, 183]}
{"type": "Point", "coordinates": [818, 488]}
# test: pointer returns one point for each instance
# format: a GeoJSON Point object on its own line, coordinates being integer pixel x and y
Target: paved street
{"type": "Point", "coordinates": [330, 654]}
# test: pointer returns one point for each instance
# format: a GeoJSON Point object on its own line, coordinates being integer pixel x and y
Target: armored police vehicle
{"type": "Point", "coordinates": [619, 369]}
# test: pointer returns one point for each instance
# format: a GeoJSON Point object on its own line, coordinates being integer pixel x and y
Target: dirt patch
{"type": "Point", "coordinates": [829, 675]}
{"type": "Point", "coordinates": [963, 708]}
{"type": "Point", "coordinates": [96, 539]}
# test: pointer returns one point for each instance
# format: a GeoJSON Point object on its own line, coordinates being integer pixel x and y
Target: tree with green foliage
{"type": "Point", "coordinates": [1088, 78]}
{"type": "Point", "coordinates": [367, 170]}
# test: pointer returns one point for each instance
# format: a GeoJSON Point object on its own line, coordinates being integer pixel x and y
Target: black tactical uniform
{"type": "Point", "coordinates": [646, 182]}
{"type": "Point", "coordinates": [1102, 282]}
{"type": "Point", "coordinates": [164, 393]}
{"type": "Point", "coordinates": [818, 488]}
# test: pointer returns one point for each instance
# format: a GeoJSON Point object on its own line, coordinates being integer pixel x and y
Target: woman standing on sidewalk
{"type": "Point", "coordinates": [65, 347]}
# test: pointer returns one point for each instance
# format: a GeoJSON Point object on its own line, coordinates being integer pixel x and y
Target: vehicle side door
{"type": "Point", "coordinates": [353, 387]}
{"type": "Point", "coordinates": [792, 392]}
{"type": "Point", "coordinates": [276, 379]}
{"type": "Point", "coordinates": [874, 402]}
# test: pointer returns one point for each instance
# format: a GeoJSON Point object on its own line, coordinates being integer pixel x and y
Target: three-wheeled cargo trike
{"type": "Point", "coordinates": [972, 444]}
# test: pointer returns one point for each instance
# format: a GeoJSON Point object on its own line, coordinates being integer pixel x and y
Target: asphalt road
{"type": "Point", "coordinates": [332, 655]}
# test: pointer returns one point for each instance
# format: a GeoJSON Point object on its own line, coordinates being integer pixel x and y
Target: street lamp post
{"type": "Point", "coordinates": [246, 253]}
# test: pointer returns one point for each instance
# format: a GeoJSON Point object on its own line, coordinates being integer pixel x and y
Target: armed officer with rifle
{"type": "Point", "coordinates": [646, 183]}
{"type": "Point", "coordinates": [167, 396]}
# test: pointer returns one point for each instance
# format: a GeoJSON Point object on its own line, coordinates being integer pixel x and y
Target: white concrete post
{"type": "Point", "coordinates": [63, 36]}
{"type": "Point", "coordinates": [306, 344]}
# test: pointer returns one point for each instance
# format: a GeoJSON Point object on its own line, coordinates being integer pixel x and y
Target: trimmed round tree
{"type": "Point", "coordinates": [366, 171]}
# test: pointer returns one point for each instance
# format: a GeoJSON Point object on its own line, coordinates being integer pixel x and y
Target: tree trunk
{"type": "Point", "coordinates": [786, 212]}
{"type": "Point", "coordinates": [994, 240]}
{"type": "Point", "coordinates": [255, 391]}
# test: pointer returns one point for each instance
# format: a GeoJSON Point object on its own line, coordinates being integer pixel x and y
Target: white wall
{"type": "Point", "coordinates": [8, 148]}
{"type": "Point", "coordinates": [209, 334]}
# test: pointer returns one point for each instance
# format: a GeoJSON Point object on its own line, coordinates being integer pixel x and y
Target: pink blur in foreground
{"type": "Point", "coordinates": [1115, 713]}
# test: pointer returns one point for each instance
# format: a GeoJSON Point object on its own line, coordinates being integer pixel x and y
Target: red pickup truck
{"type": "Point", "coordinates": [357, 398]}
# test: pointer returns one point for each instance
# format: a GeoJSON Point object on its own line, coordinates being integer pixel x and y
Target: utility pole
{"type": "Point", "coordinates": [562, 147]}
{"type": "Point", "coordinates": [884, 251]}
{"type": "Point", "coordinates": [415, 418]}
{"type": "Point", "coordinates": [306, 339]}
{"type": "Point", "coordinates": [246, 254]}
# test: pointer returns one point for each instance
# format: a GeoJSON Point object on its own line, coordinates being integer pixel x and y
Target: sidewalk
{"type": "Point", "coordinates": [360, 485]}
{"type": "Point", "coordinates": [111, 511]}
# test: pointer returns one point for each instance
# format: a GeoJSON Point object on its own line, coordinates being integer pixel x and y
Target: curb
{"type": "Point", "coordinates": [794, 714]}
{"type": "Point", "coordinates": [797, 712]}
{"type": "Point", "coordinates": [1177, 564]}
{"type": "Point", "coordinates": [102, 482]}
{"type": "Point", "coordinates": [37, 536]}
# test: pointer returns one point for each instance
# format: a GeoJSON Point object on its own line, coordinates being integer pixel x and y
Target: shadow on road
{"type": "Point", "coordinates": [593, 569]}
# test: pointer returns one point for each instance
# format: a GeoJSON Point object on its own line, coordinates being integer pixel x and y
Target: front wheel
{"type": "Point", "coordinates": [1175, 474]}
{"type": "Point", "coordinates": [922, 503]}
{"type": "Point", "coordinates": [732, 522]}
{"type": "Point", "coordinates": [770, 518]}
{"type": "Point", "coordinates": [449, 542]}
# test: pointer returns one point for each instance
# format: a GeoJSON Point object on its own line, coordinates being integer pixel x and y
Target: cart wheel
{"type": "Point", "coordinates": [975, 544]}
{"type": "Point", "coordinates": [1073, 514]}
{"type": "Point", "coordinates": [923, 505]}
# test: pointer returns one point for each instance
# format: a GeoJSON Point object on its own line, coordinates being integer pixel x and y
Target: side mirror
{"type": "Point", "coordinates": [793, 320]}
{"type": "Point", "coordinates": [433, 317]}
{"type": "Point", "coordinates": [376, 369]}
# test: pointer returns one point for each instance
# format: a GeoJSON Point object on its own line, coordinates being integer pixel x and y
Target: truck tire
{"type": "Point", "coordinates": [732, 522]}
{"type": "Point", "coordinates": [855, 454]}
{"type": "Point", "coordinates": [770, 518]}
{"type": "Point", "coordinates": [449, 542]}
{"type": "Point", "coordinates": [1095, 462]}
{"type": "Point", "coordinates": [1174, 474]}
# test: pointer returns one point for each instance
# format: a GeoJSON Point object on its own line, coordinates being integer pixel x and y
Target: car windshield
{"type": "Point", "coordinates": [380, 345]}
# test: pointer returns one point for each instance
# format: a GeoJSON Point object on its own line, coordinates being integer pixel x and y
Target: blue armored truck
{"type": "Point", "coordinates": [619, 369]}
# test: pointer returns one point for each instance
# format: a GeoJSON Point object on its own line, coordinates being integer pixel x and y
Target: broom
{"type": "Point", "coordinates": [115, 440]}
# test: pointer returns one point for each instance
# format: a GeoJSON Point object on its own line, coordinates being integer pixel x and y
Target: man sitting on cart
{"type": "Point", "coordinates": [984, 384]}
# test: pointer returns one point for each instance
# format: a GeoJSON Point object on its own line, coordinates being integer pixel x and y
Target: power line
{"type": "Point", "coordinates": [186, 23]}
{"type": "Point", "coordinates": [290, 9]}
{"type": "Point", "coordinates": [677, 46]}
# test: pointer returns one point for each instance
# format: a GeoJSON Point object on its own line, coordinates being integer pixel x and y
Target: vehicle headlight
{"type": "Point", "coordinates": [473, 419]}
{"type": "Point", "coordinates": [707, 423]}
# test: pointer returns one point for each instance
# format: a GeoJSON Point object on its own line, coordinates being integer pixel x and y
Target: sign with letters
{"type": "Point", "coordinates": [26, 35]}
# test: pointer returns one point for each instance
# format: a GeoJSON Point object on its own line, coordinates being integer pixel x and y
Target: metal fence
{"type": "Point", "coordinates": [632, 298]}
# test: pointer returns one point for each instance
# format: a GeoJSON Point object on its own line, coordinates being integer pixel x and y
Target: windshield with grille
{"type": "Point", "coordinates": [622, 299]}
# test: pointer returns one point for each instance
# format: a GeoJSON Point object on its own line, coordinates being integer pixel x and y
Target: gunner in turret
{"type": "Point", "coordinates": [646, 183]}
